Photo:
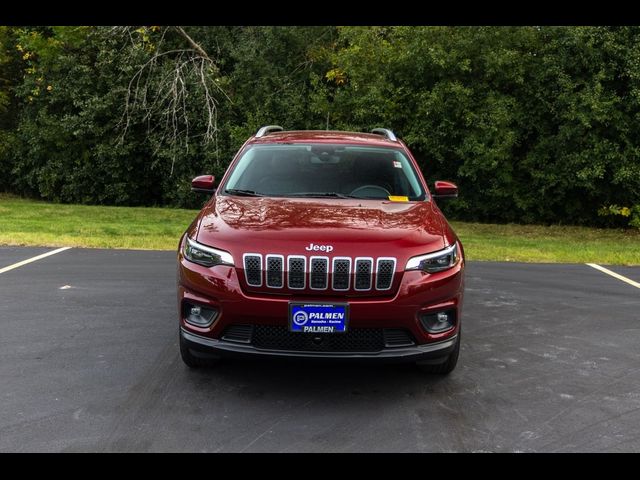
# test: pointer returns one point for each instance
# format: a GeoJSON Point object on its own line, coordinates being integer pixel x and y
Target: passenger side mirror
{"type": "Point", "coordinates": [203, 184]}
{"type": "Point", "coordinates": [445, 190]}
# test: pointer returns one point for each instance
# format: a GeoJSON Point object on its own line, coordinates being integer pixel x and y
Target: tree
{"type": "Point", "coordinates": [536, 124]}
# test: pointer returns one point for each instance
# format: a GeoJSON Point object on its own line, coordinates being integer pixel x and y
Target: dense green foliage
{"type": "Point", "coordinates": [535, 124]}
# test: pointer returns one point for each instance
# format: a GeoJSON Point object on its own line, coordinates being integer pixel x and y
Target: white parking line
{"type": "Point", "coordinates": [33, 259]}
{"type": "Point", "coordinates": [614, 274]}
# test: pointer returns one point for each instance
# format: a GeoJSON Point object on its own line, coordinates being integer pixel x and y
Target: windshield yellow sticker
{"type": "Point", "coordinates": [398, 198]}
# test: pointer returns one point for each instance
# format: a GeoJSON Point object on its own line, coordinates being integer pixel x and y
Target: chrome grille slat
{"type": "Point", "coordinates": [341, 273]}
{"type": "Point", "coordinates": [253, 269]}
{"type": "Point", "coordinates": [385, 268]}
{"type": "Point", "coordinates": [319, 273]}
{"type": "Point", "coordinates": [363, 273]}
{"type": "Point", "coordinates": [275, 271]}
{"type": "Point", "coordinates": [296, 272]}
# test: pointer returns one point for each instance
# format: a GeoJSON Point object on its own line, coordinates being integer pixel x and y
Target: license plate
{"type": "Point", "coordinates": [318, 317]}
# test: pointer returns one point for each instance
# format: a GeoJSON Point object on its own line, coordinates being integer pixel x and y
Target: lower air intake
{"type": "Point", "coordinates": [397, 337]}
{"type": "Point", "coordinates": [273, 337]}
{"type": "Point", "coordinates": [238, 333]}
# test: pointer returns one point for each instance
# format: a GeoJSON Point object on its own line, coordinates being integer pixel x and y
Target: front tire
{"type": "Point", "coordinates": [193, 361]}
{"type": "Point", "coordinates": [445, 367]}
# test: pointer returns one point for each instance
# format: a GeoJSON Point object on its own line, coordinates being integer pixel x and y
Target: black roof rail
{"type": "Point", "coordinates": [266, 130]}
{"type": "Point", "coordinates": [385, 132]}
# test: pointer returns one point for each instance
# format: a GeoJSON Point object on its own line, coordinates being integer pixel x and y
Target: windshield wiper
{"type": "Point", "coordinates": [243, 193]}
{"type": "Point", "coordinates": [320, 194]}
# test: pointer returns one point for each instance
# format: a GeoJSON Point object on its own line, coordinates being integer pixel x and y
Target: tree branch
{"type": "Point", "coordinates": [159, 89]}
{"type": "Point", "coordinates": [193, 44]}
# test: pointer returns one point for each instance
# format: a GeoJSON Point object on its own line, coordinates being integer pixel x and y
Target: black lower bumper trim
{"type": "Point", "coordinates": [408, 354]}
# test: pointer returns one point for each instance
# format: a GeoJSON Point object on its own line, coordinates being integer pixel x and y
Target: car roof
{"type": "Point", "coordinates": [325, 136]}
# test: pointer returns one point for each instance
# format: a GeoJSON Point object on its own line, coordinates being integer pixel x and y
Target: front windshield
{"type": "Point", "coordinates": [317, 170]}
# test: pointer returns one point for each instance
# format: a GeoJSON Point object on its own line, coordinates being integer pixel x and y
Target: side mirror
{"type": "Point", "coordinates": [203, 184]}
{"type": "Point", "coordinates": [445, 190]}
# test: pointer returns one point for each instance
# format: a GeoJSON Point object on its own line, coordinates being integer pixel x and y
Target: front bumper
{"type": "Point", "coordinates": [203, 347]}
{"type": "Point", "coordinates": [219, 288]}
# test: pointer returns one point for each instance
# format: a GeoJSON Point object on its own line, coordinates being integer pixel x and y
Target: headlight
{"type": "Point", "coordinates": [203, 255]}
{"type": "Point", "coordinates": [436, 261]}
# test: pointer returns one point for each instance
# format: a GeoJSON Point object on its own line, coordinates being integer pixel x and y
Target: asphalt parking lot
{"type": "Point", "coordinates": [89, 361]}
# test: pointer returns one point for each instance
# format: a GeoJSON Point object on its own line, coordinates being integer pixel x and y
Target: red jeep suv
{"type": "Point", "coordinates": [321, 244]}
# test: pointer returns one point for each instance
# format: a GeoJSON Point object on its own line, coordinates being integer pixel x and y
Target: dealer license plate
{"type": "Point", "coordinates": [318, 317]}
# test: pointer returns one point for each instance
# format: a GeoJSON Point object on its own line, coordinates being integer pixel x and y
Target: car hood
{"type": "Point", "coordinates": [352, 227]}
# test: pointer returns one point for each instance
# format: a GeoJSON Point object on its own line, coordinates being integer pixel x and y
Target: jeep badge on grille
{"type": "Point", "coordinates": [312, 247]}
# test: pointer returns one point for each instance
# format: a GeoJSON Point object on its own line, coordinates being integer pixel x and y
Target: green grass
{"type": "Point", "coordinates": [35, 223]}
{"type": "Point", "coordinates": [549, 244]}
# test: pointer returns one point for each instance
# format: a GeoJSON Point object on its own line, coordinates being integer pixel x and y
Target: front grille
{"type": "Point", "coordinates": [238, 333]}
{"type": "Point", "coordinates": [363, 273]}
{"type": "Point", "coordinates": [273, 337]}
{"type": "Point", "coordinates": [321, 273]}
{"type": "Point", "coordinates": [253, 269]}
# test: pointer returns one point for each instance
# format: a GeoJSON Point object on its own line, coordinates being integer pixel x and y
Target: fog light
{"type": "Point", "coordinates": [438, 322]}
{"type": "Point", "coordinates": [200, 316]}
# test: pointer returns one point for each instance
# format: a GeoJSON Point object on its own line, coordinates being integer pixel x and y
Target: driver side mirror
{"type": "Point", "coordinates": [203, 184]}
{"type": "Point", "coordinates": [445, 190]}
